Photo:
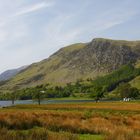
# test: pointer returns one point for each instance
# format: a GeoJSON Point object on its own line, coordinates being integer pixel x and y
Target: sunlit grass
{"type": "Point", "coordinates": [121, 106]}
{"type": "Point", "coordinates": [109, 121]}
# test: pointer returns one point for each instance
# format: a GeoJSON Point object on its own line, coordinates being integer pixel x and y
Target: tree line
{"type": "Point", "coordinates": [98, 88]}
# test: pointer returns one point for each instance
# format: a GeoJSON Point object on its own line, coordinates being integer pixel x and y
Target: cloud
{"type": "Point", "coordinates": [108, 20]}
{"type": "Point", "coordinates": [33, 8]}
{"type": "Point", "coordinates": [5, 19]}
{"type": "Point", "coordinates": [60, 35]}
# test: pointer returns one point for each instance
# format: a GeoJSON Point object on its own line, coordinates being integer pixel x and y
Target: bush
{"type": "Point", "coordinates": [125, 90]}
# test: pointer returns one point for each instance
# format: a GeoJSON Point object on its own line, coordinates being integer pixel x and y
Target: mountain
{"type": "Point", "coordinates": [82, 60]}
{"type": "Point", "coordinates": [6, 75]}
{"type": "Point", "coordinates": [136, 81]}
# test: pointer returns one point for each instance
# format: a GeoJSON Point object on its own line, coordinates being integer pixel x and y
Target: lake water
{"type": "Point", "coordinates": [9, 103]}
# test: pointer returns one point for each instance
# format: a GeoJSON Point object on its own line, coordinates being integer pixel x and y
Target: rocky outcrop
{"type": "Point", "coordinates": [82, 60]}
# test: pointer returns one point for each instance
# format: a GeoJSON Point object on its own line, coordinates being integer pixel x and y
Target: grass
{"type": "Point", "coordinates": [112, 106]}
{"type": "Point", "coordinates": [136, 82]}
{"type": "Point", "coordinates": [82, 121]}
{"type": "Point", "coordinates": [42, 133]}
{"type": "Point", "coordinates": [71, 98]}
{"type": "Point", "coordinates": [35, 134]}
{"type": "Point", "coordinates": [90, 137]}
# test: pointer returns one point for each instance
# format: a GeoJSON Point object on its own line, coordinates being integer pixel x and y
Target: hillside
{"type": "Point", "coordinates": [82, 60]}
{"type": "Point", "coordinates": [10, 73]}
{"type": "Point", "coordinates": [136, 81]}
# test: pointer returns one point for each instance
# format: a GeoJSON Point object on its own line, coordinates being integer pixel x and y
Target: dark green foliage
{"type": "Point", "coordinates": [95, 88]}
{"type": "Point", "coordinates": [125, 90]}
{"type": "Point", "coordinates": [111, 81]}
{"type": "Point", "coordinates": [39, 92]}
{"type": "Point", "coordinates": [97, 92]}
{"type": "Point", "coordinates": [58, 92]}
{"type": "Point", "coordinates": [98, 87]}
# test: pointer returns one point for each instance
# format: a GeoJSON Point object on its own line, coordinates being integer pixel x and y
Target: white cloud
{"type": "Point", "coordinates": [19, 10]}
{"type": "Point", "coordinates": [58, 35]}
{"type": "Point", "coordinates": [33, 8]}
{"type": "Point", "coordinates": [107, 20]}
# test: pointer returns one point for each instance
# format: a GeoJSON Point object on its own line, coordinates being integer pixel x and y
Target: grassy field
{"type": "Point", "coordinates": [75, 121]}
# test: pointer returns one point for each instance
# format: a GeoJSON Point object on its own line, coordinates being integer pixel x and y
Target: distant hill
{"type": "Point", "coordinates": [78, 61]}
{"type": "Point", "coordinates": [6, 75]}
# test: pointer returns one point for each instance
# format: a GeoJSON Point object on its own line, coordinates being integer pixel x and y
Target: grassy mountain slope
{"type": "Point", "coordinates": [136, 81]}
{"type": "Point", "coordinates": [123, 74]}
{"type": "Point", "coordinates": [81, 60]}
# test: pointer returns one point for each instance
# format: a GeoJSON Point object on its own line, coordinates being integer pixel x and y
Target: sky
{"type": "Point", "coordinates": [32, 30]}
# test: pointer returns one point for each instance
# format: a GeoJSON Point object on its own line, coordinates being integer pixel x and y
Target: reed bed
{"type": "Point", "coordinates": [116, 125]}
{"type": "Point", "coordinates": [121, 106]}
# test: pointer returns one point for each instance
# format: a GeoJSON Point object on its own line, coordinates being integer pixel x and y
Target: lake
{"type": "Point", "coordinates": [9, 103]}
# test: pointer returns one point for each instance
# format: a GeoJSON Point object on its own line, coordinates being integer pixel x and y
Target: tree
{"type": "Point", "coordinates": [13, 94]}
{"type": "Point", "coordinates": [134, 92]}
{"type": "Point", "coordinates": [39, 93]}
{"type": "Point", "coordinates": [13, 98]}
{"type": "Point", "coordinates": [127, 91]}
{"type": "Point", "coordinates": [97, 93]}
